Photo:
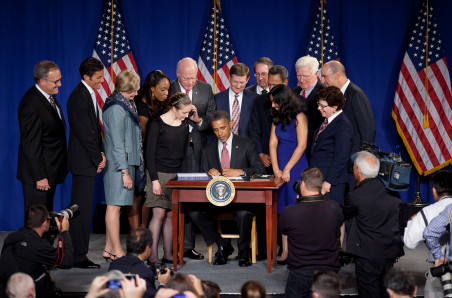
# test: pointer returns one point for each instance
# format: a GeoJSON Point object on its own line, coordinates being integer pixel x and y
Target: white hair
{"type": "Point", "coordinates": [19, 285]}
{"type": "Point", "coordinates": [308, 61]}
{"type": "Point", "coordinates": [368, 164]}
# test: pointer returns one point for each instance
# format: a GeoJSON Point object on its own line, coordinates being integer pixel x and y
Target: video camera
{"type": "Point", "coordinates": [444, 271]}
{"type": "Point", "coordinates": [394, 172]}
{"type": "Point", "coordinates": [71, 212]}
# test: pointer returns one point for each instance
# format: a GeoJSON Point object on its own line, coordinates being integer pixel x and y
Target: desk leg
{"type": "Point", "coordinates": [274, 225]}
{"type": "Point", "coordinates": [181, 233]}
{"type": "Point", "coordinates": [175, 217]}
{"type": "Point", "coordinates": [268, 225]}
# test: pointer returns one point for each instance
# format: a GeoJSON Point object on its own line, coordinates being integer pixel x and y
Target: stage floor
{"type": "Point", "coordinates": [230, 277]}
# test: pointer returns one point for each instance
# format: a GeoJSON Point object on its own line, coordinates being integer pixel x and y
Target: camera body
{"type": "Point", "coordinates": [71, 212]}
{"type": "Point", "coordinates": [444, 271]}
{"type": "Point", "coordinates": [394, 172]}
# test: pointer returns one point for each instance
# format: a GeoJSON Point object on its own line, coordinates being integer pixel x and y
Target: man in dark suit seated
{"type": "Point", "coordinates": [42, 154]}
{"type": "Point", "coordinates": [261, 68]}
{"type": "Point", "coordinates": [230, 156]}
{"type": "Point", "coordinates": [236, 100]}
{"type": "Point", "coordinates": [139, 243]}
{"type": "Point", "coordinates": [307, 69]}
{"type": "Point", "coordinates": [374, 236]}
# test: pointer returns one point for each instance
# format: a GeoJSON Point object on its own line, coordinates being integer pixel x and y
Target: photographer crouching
{"type": "Point", "coordinates": [27, 251]}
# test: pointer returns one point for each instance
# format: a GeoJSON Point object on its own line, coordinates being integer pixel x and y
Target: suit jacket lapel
{"type": "Point", "coordinates": [195, 93]}
{"type": "Point", "coordinates": [216, 160]}
{"type": "Point", "coordinates": [88, 97]}
{"type": "Point", "coordinates": [234, 152]}
{"type": "Point", "coordinates": [61, 112]}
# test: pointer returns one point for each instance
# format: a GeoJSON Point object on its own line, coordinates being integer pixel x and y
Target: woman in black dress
{"type": "Point", "coordinates": [151, 102]}
{"type": "Point", "coordinates": [167, 140]}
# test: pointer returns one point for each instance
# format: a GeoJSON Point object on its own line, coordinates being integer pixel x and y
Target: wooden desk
{"type": "Point", "coordinates": [245, 192]}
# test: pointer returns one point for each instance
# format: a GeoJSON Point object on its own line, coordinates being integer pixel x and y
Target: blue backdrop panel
{"type": "Point", "coordinates": [371, 37]}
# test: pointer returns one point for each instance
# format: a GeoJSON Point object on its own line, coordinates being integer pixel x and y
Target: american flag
{"type": "Point", "coordinates": [322, 39]}
{"type": "Point", "coordinates": [214, 69]}
{"type": "Point", "coordinates": [424, 124]}
{"type": "Point", "coordinates": [122, 56]}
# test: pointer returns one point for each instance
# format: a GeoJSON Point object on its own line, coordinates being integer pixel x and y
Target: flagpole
{"type": "Point", "coordinates": [111, 47]}
{"type": "Point", "coordinates": [321, 30]}
{"type": "Point", "coordinates": [215, 49]}
{"type": "Point", "coordinates": [426, 123]}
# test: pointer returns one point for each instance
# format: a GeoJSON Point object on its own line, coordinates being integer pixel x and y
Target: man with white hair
{"type": "Point", "coordinates": [20, 285]}
{"type": "Point", "coordinates": [307, 69]}
{"type": "Point", "coordinates": [374, 236]}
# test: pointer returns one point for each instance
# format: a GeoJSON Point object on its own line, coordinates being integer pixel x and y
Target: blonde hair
{"type": "Point", "coordinates": [127, 81]}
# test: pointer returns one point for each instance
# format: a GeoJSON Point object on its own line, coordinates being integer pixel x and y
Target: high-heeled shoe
{"type": "Point", "coordinates": [110, 257]}
{"type": "Point", "coordinates": [281, 262]}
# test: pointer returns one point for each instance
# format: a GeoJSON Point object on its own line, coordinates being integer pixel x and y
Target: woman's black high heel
{"type": "Point", "coordinates": [110, 256]}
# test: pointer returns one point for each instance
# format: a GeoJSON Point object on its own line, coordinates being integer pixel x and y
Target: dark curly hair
{"type": "Point", "coordinates": [289, 105]}
{"type": "Point", "coordinates": [156, 107]}
{"type": "Point", "coordinates": [332, 96]}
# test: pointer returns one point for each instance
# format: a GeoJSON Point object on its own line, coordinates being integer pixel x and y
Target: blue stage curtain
{"type": "Point", "coordinates": [371, 37]}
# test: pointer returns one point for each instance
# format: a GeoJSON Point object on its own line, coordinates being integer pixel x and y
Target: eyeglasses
{"type": "Point", "coordinates": [55, 82]}
{"type": "Point", "coordinates": [303, 76]}
{"type": "Point", "coordinates": [261, 75]}
{"type": "Point", "coordinates": [188, 79]}
{"type": "Point", "coordinates": [322, 106]}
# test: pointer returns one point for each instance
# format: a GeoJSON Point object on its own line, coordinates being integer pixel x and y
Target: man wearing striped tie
{"type": "Point", "coordinates": [236, 100]}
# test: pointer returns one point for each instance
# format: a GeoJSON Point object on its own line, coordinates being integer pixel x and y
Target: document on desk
{"type": "Point", "coordinates": [192, 176]}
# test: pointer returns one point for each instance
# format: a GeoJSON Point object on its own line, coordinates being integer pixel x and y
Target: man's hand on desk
{"type": "Point", "coordinates": [233, 172]}
{"type": "Point", "coordinates": [226, 172]}
{"type": "Point", "coordinates": [213, 172]}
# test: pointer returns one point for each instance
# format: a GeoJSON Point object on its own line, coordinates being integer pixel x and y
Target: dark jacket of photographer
{"type": "Point", "coordinates": [132, 264]}
{"type": "Point", "coordinates": [25, 251]}
{"type": "Point", "coordinates": [374, 230]}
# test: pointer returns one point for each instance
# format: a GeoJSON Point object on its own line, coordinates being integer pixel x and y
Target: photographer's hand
{"type": "Point", "coordinates": [133, 288]}
{"type": "Point", "coordinates": [97, 288]}
{"type": "Point", "coordinates": [163, 278]}
{"type": "Point", "coordinates": [64, 225]}
{"type": "Point", "coordinates": [439, 262]}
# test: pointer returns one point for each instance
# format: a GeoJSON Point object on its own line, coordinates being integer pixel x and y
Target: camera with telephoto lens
{"type": "Point", "coordinates": [394, 172]}
{"type": "Point", "coordinates": [444, 271]}
{"type": "Point", "coordinates": [71, 212]}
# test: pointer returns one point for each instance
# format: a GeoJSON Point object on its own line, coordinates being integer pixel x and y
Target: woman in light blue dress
{"type": "Point", "coordinates": [123, 150]}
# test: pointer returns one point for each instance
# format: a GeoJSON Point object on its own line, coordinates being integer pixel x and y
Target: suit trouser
{"type": "Point", "coordinates": [79, 228]}
{"type": "Point", "coordinates": [370, 275]}
{"type": "Point", "coordinates": [243, 218]}
{"type": "Point", "coordinates": [189, 229]}
{"type": "Point", "coordinates": [33, 196]}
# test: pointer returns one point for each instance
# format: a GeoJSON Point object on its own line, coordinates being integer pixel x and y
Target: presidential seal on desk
{"type": "Point", "coordinates": [220, 191]}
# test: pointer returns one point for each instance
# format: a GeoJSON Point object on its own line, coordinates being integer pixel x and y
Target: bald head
{"type": "Point", "coordinates": [20, 285]}
{"type": "Point", "coordinates": [333, 74]}
{"type": "Point", "coordinates": [186, 73]}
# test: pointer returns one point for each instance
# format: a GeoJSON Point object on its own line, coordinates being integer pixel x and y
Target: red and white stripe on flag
{"type": "Point", "coordinates": [216, 39]}
{"type": "Point", "coordinates": [430, 148]}
{"type": "Point", "coordinates": [104, 48]}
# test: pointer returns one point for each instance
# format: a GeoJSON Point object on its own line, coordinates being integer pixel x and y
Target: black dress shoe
{"type": "Point", "coordinates": [86, 264]}
{"type": "Point", "coordinates": [280, 262]}
{"type": "Point", "coordinates": [193, 254]}
{"type": "Point", "coordinates": [244, 258]}
{"type": "Point", "coordinates": [170, 261]}
{"type": "Point", "coordinates": [221, 257]}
